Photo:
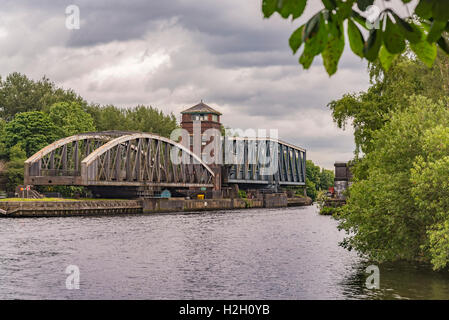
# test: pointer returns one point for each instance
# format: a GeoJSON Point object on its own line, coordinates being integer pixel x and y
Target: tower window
{"type": "Point", "coordinates": [201, 117]}
{"type": "Point", "coordinates": [215, 118]}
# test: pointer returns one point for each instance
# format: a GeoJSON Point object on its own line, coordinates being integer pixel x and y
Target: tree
{"type": "Point", "coordinates": [3, 151]}
{"type": "Point", "coordinates": [326, 179]}
{"type": "Point", "coordinates": [149, 119]}
{"type": "Point", "coordinates": [107, 117]}
{"type": "Point", "coordinates": [15, 167]}
{"type": "Point", "coordinates": [430, 180]}
{"type": "Point", "coordinates": [313, 172]}
{"type": "Point", "coordinates": [369, 111]}
{"type": "Point", "coordinates": [423, 31]}
{"type": "Point", "coordinates": [18, 94]}
{"type": "Point", "coordinates": [311, 189]}
{"type": "Point", "coordinates": [70, 119]}
{"type": "Point", "coordinates": [317, 179]}
{"type": "Point", "coordinates": [399, 211]}
{"type": "Point", "coordinates": [140, 118]}
{"type": "Point", "coordinates": [32, 130]}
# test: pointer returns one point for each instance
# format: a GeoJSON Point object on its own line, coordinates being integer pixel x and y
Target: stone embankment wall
{"type": "Point", "coordinates": [180, 205]}
{"type": "Point", "coordinates": [154, 205]}
{"type": "Point", "coordinates": [69, 208]}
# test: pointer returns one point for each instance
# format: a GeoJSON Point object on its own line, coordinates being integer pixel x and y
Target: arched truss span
{"type": "Point", "coordinates": [144, 159]}
{"type": "Point", "coordinates": [63, 157]}
{"type": "Point", "coordinates": [117, 159]}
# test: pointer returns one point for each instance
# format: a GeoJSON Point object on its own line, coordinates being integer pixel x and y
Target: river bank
{"type": "Point", "coordinates": [66, 208]}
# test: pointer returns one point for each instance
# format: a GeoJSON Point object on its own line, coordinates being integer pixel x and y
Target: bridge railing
{"type": "Point", "coordinates": [59, 173]}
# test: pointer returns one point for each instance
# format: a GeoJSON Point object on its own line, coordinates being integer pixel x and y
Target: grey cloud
{"type": "Point", "coordinates": [171, 54]}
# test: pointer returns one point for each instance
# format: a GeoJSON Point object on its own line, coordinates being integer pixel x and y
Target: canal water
{"type": "Point", "coordinates": [288, 253]}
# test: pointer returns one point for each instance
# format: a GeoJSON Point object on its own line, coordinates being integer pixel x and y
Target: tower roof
{"type": "Point", "coordinates": [201, 108]}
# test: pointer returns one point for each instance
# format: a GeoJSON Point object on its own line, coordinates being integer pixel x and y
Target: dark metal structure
{"type": "Point", "coordinates": [265, 161]}
{"type": "Point", "coordinates": [117, 159]}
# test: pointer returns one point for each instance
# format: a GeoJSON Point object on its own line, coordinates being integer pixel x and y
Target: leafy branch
{"type": "Point", "coordinates": [425, 29]}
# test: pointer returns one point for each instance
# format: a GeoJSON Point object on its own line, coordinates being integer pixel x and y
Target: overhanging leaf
{"type": "Point", "coordinates": [344, 11]}
{"type": "Point", "coordinates": [359, 19]}
{"type": "Point", "coordinates": [329, 4]}
{"type": "Point", "coordinates": [356, 40]}
{"type": "Point", "coordinates": [424, 8]}
{"type": "Point", "coordinates": [440, 10]}
{"type": "Point", "coordinates": [393, 38]}
{"type": "Point", "coordinates": [268, 7]}
{"type": "Point", "coordinates": [425, 51]}
{"type": "Point", "coordinates": [295, 8]}
{"type": "Point", "coordinates": [372, 45]}
{"type": "Point", "coordinates": [443, 43]}
{"type": "Point", "coordinates": [311, 27]}
{"type": "Point", "coordinates": [435, 30]}
{"type": "Point", "coordinates": [386, 58]}
{"type": "Point", "coordinates": [295, 40]}
{"type": "Point", "coordinates": [306, 57]}
{"type": "Point", "coordinates": [410, 31]}
{"type": "Point", "coordinates": [332, 53]}
{"type": "Point", "coordinates": [314, 44]}
{"type": "Point", "coordinates": [364, 4]}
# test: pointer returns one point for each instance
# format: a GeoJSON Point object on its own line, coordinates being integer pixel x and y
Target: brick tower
{"type": "Point", "coordinates": [206, 118]}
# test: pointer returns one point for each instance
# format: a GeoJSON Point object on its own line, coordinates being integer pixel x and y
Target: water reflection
{"type": "Point", "coordinates": [398, 280]}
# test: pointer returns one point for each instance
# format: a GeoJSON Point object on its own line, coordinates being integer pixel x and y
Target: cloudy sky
{"type": "Point", "coordinates": [172, 53]}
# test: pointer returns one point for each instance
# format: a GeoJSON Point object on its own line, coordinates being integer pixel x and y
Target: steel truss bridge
{"type": "Point", "coordinates": [123, 159]}
{"type": "Point", "coordinates": [116, 159]}
{"type": "Point", "coordinates": [287, 165]}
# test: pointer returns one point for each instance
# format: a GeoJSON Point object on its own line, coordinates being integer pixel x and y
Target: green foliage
{"type": "Point", "coordinates": [330, 211]}
{"type": "Point", "coordinates": [34, 114]}
{"type": "Point", "coordinates": [326, 179]}
{"type": "Point", "coordinates": [149, 119]}
{"type": "Point", "coordinates": [321, 199]}
{"type": "Point", "coordinates": [323, 33]}
{"type": "Point", "coordinates": [430, 179]}
{"type": "Point", "coordinates": [399, 210]}
{"type": "Point", "coordinates": [242, 194]}
{"type": "Point", "coordinates": [15, 167]}
{"type": "Point", "coordinates": [311, 189]}
{"type": "Point", "coordinates": [369, 111]}
{"type": "Point", "coordinates": [65, 191]}
{"type": "Point", "coordinates": [317, 179]}
{"type": "Point", "coordinates": [70, 119]}
{"type": "Point", "coordinates": [32, 130]}
{"type": "Point", "coordinates": [4, 153]}
{"type": "Point", "coordinates": [356, 40]}
{"type": "Point", "coordinates": [140, 118]}
{"type": "Point", "coordinates": [18, 94]}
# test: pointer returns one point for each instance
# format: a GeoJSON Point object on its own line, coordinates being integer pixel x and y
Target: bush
{"type": "Point", "coordinates": [330, 211]}
{"type": "Point", "coordinates": [242, 194]}
{"type": "Point", "coordinates": [311, 190]}
{"type": "Point", "coordinates": [321, 199]}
